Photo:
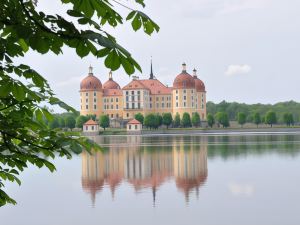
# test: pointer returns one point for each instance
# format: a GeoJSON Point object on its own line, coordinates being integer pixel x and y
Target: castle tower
{"type": "Point", "coordinates": [91, 95]}
{"type": "Point", "coordinates": [183, 93]}
{"type": "Point", "coordinates": [200, 96]}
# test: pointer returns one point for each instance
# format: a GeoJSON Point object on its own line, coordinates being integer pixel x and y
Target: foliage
{"type": "Point", "coordinates": [196, 119]}
{"type": "Point", "coordinates": [62, 123]}
{"type": "Point", "coordinates": [139, 117]}
{"type": "Point", "coordinates": [80, 120]}
{"type": "Point", "coordinates": [210, 120]}
{"type": "Point", "coordinates": [24, 135]}
{"type": "Point", "coordinates": [70, 122]}
{"type": "Point", "coordinates": [186, 120]}
{"type": "Point", "coordinates": [167, 119]}
{"type": "Point", "coordinates": [241, 118]}
{"type": "Point", "coordinates": [177, 120]}
{"type": "Point", "coordinates": [158, 120]}
{"type": "Point", "coordinates": [288, 119]}
{"type": "Point", "coordinates": [150, 120]}
{"type": "Point", "coordinates": [271, 118]}
{"type": "Point", "coordinates": [54, 123]}
{"type": "Point", "coordinates": [232, 108]}
{"type": "Point", "coordinates": [222, 119]}
{"type": "Point", "coordinates": [104, 121]}
{"type": "Point", "coordinates": [256, 119]}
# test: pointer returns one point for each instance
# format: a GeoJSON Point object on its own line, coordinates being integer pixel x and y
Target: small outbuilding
{"type": "Point", "coordinates": [134, 126]}
{"type": "Point", "coordinates": [90, 127]}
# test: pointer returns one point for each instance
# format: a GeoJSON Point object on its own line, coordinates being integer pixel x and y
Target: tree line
{"type": "Point", "coordinates": [270, 118]}
{"type": "Point", "coordinates": [233, 108]}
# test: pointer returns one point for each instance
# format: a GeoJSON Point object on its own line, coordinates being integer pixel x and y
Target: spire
{"type": "Point", "coordinates": [195, 73]}
{"type": "Point", "coordinates": [154, 195]}
{"type": "Point", "coordinates": [183, 67]}
{"type": "Point", "coordinates": [90, 70]}
{"type": "Point", "coordinates": [151, 71]}
{"type": "Point", "coordinates": [110, 75]}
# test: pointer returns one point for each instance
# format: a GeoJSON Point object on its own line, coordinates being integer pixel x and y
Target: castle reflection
{"type": "Point", "coordinates": [146, 163]}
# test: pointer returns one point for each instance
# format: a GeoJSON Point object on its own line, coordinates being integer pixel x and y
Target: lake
{"type": "Point", "coordinates": [211, 179]}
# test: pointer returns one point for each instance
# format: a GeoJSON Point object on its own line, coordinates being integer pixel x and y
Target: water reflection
{"type": "Point", "coordinates": [145, 165]}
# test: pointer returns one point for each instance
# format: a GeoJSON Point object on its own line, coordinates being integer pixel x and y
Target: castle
{"type": "Point", "coordinates": [144, 96]}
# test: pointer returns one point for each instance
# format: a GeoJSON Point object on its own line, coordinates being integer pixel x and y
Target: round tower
{"type": "Point", "coordinates": [91, 95]}
{"type": "Point", "coordinates": [200, 96]}
{"type": "Point", "coordinates": [184, 93]}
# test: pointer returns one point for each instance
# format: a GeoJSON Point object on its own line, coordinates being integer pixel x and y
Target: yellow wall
{"type": "Point", "coordinates": [89, 99]}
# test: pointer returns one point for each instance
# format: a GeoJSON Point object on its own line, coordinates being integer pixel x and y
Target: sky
{"type": "Point", "coordinates": [244, 50]}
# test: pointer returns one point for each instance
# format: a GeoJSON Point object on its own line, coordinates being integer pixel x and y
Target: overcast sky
{"type": "Point", "coordinates": [244, 50]}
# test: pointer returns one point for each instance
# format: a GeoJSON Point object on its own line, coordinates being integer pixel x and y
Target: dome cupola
{"type": "Point", "coordinates": [199, 85]}
{"type": "Point", "coordinates": [90, 82]}
{"type": "Point", "coordinates": [184, 80]}
{"type": "Point", "coordinates": [111, 84]}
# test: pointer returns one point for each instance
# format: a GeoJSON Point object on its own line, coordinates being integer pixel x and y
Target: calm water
{"type": "Point", "coordinates": [140, 180]}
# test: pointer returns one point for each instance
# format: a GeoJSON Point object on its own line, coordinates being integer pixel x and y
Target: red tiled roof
{"type": "Point", "coordinates": [90, 83]}
{"type": "Point", "coordinates": [184, 80]}
{"type": "Point", "coordinates": [111, 84]}
{"type": "Point", "coordinates": [134, 84]}
{"type": "Point", "coordinates": [154, 86]}
{"type": "Point", "coordinates": [90, 122]}
{"type": "Point", "coordinates": [112, 92]}
{"type": "Point", "coordinates": [134, 121]}
{"type": "Point", "coordinates": [199, 85]}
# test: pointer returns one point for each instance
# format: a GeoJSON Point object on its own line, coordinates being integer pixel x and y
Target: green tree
{"type": "Point", "coordinates": [80, 120]}
{"type": "Point", "coordinates": [70, 122]}
{"type": "Point", "coordinates": [210, 120]}
{"type": "Point", "coordinates": [61, 122]}
{"type": "Point", "coordinates": [24, 135]}
{"type": "Point", "coordinates": [288, 119]}
{"type": "Point", "coordinates": [159, 120]}
{"type": "Point", "coordinates": [177, 120]}
{"type": "Point", "coordinates": [139, 117]}
{"type": "Point", "coordinates": [54, 123]}
{"type": "Point", "coordinates": [196, 119]}
{"type": "Point", "coordinates": [150, 120]}
{"type": "Point", "coordinates": [256, 119]}
{"type": "Point", "coordinates": [241, 118]}
{"type": "Point", "coordinates": [91, 116]}
{"type": "Point", "coordinates": [186, 120]}
{"type": "Point", "coordinates": [104, 121]}
{"type": "Point", "coordinates": [271, 118]}
{"type": "Point", "coordinates": [222, 118]}
{"type": "Point", "coordinates": [167, 119]}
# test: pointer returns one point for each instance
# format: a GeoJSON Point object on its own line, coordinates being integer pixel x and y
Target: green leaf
{"type": "Point", "coordinates": [112, 61]}
{"type": "Point", "coordinates": [5, 89]}
{"type": "Point", "coordinates": [136, 22]}
{"type": "Point", "coordinates": [130, 15]}
{"type": "Point", "coordinates": [82, 50]}
{"type": "Point", "coordinates": [23, 45]}
{"type": "Point", "coordinates": [18, 92]}
{"type": "Point", "coordinates": [74, 13]}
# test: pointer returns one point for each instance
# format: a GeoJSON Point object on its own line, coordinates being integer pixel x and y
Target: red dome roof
{"type": "Point", "coordinates": [183, 81]}
{"type": "Point", "coordinates": [199, 85]}
{"type": "Point", "coordinates": [111, 84]}
{"type": "Point", "coordinates": [90, 83]}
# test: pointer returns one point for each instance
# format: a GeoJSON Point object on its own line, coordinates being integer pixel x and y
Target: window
{"type": "Point", "coordinates": [127, 115]}
{"type": "Point", "coordinates": [95, 107]}
{"type": "Point", "coordinates": [117, 115]}
{"type": "Point", "coordinates": [112, 106]}
{"type": "Point", "coordinates": [157, 105]}
{"type": "Point", "coordinates": [162, 98]}
{"type": "Point", "coordinates": [127, 105]}
{"type": "Point", "coordinates": [92, 127]}
{"type": "Point", "coordinates": [176, 97]}
{"type": "Point", "coordinates": [132, 98]}
{"type": "Point", "coordinates": [127, 98]}
{"type": "Point", "coordinates": [184, 104]}
{"type": "Point", "coordinates": [138, 92]}
{"type": "Point", "coordinates": [117, 99]}
{"type": "Point", "coordinates": [117, 106]}
{"type": "Point", "coordinates": [86, 100]}
{"type": "Point", "coordinates": [81, 100]}
{"type": "Point", "coordinates": [95, 100]}
{"type": "Point", "coordinates": [192, 98]}
{"type": "Point", "coordinates": [150, 99]}
{"type": "Point", "coordinates": [112, 99]}
{"type": "Point", "coordinates": [176, 91]}
{"type": "Point", "coordinates": [150, 105]}
{"type": "Point", "coordinates": [126, 92]}
{"type": "Point", "coordinates": [139, 105]}
{"type": "Point", "coordinates": [157, 99]}
{"type": "Point", "coordinates": [135, 127]}
{"type": "Point", "coordinates": [112, 115]}
{"type": "Point", "coordinates": [132, 105]}
{"type": "Point", "coordinates": [184, 97]}
{"type": "Point", "coordinates": [192, 91]}
{"type": "Point", "coordinates": [86, 94]}
{"type": "Point", "coordinates": [132, 92]}
{"type": "Point", "coordinates": [162, 105]}
{"type": "Point", "coordinates": [139, 98]}
{"type": "Point", "coordinates": [95, 94]}
{"type": "Point", "coordinates": [129, 127]}
{"type": "Point", "coordinates": [176, 104]}
{"type": "Point", "coordinates": [184, 91]}
{"type": "Point", "coordinates": [86, 107]}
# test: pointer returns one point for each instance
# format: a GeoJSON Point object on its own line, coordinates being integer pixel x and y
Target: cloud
{"type": "Point", "coordinates": [241, 189]}
{"type": "Point", "coordinates": [237, 69]}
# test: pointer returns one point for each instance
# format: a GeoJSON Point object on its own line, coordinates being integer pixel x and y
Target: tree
{"type": "Point", "coordinates": [70, 122]}
{"type": "Point", "coordinates": [91, 116]}
{"type": "Point", "coordinates": [177, 121]}
{"type": "Point", "coordinates": [222, 118]}
{"type": "Point", "coordinates": [159, 120]}
{"type": "Point", "coordinates": [167, 119]}
{"type": "Point", "coordinates": [139, 117]}
{"type": "Point", "coordinates": [271, 118]}
{"type": "Point", "coordinates": [150, 120]}
{"type": "Point", "coordinates": [186, 120]}
{"type": "Point", "coordinates": [54, 123]}
{"type": "Point", "coordinates": [210, 120]}
{"type": "Point", "coordinates": [80, 120]}
{"type": "Point", "coordinates": [104, 121]}
{"type": "Point", "coordinates": [288, 119]}
{"type": "Point", "coordinates": [256, 119]}
{"type": "Point", "coordinates": [61, 122]}
{"type": "Point", "coordinates": [241, 118]}
{"type": "Point", "coordinates": [24, 135]}
{"type": "Point", "coordinates": [196, 119]}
